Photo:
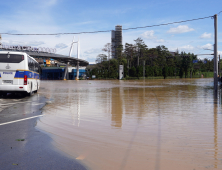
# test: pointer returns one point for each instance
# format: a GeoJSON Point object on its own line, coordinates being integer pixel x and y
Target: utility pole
{"type": "Point", "coordinates": [144, 69]}
{"type": "Point", "coordinates": [191, 72]}
{"type": "Point", "coordinates": [128, 66]}
{"type": "Point", "coordinates": [138, 61]}
{"type": "Point", "coordinates": [175, 71]}
{"type": "Point", "coordinates": [215, 54]}
{"type": "Point", "coordinates": [219, 67]}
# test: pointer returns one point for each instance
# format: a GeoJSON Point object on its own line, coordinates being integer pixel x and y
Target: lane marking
{"type": "Point", "coordinates": [15, 103]}
{"type": "Point", "coordinates": [20, 120]}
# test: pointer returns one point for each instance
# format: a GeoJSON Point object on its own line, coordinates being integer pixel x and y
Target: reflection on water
{"type": "Point", "coordinates": [148, 124]}
{"type": "Point", "coordinates": [215, 140]}
{"type": "Point", "coordinates": [117, 111]}
{"type": "Point", "coordinates": [217, 101]}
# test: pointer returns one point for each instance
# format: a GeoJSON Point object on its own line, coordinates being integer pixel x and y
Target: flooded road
{"type": "Point", "coordinates": [151, 124]}
{"type": "Point", "coordinates": [22, 146]}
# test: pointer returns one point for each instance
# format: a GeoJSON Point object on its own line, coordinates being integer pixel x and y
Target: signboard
{"type": "Point", "coordinates": [195, 61]}
{"type": "Point", "coordinates": [28, 48]}
{"type": "Point", "coordinates": [205, 61]}
{"type": "Point", "coordinates": [48, 62]}
{"type": "Point", "coordinates": [93, 76]}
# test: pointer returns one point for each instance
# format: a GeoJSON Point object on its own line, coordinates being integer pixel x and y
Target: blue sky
{"type": "Point", "coordinates": [53, 16]}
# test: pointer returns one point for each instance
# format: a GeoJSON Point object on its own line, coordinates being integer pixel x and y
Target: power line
{"type": "Point", "coordinates": [111, 30]}
{"type": "Point", "coordinates": [169, 23]}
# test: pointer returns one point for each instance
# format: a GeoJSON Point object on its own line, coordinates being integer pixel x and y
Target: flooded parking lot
{"type": "Point", "coordinates": [146, 124]}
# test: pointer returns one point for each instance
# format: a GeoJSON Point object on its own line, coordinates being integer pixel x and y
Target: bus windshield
{"type": "Point", "coordinates": [11, 58]}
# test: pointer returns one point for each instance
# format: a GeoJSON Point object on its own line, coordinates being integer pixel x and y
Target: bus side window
{"type": "Point", "coordinates": [31, 64]}
{"type": "Point", "coordinates": [36, 67]}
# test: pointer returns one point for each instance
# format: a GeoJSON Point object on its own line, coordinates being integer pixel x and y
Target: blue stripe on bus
{"type": "Point", "coordinates": [21, 74]}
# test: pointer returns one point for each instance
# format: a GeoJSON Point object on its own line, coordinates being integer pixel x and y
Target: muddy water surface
{"type": "Point", "coordinates": [152, 124]}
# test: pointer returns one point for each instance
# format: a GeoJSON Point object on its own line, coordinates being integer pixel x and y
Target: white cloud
{"type": "Point", "coordinates": [160, 41]}
{"type": "Point", "coordinates": [12, 31]}
{"type": "Point", "coordinates": [35, 43]}
{"type": "Point", "coordinates": [180, 29]}
{"type": "Point", "coordinates": [207, 46]}
{"type": "Point", "coordinates": [51, 2]}
{"type": "Point", "coordinates": [148, 34]}
{"type": "Point", "coordinates": [12, 42]}
{"type": "Point", "coordinates": [24, 43]}
{"type": "Point", "coordinates": [187, 48]}
{"type": "Point", "coordinates": [85, 23]}
{"type": "Point", "coordinates": [61, 46]}
{"type": "Point", "coordinates": [173, 49]}
{"type": "Point", "coordinates": [205, 35]}
{"type": "Point", "coordinates": [93, 51]}
{"type": "Point", "coordinates": [47, 3]}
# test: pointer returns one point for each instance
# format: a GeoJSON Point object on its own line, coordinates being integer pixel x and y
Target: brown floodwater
{"type": "Point", "coordinates": [142, 124]}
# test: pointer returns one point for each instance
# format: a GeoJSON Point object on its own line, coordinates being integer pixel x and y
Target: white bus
{"type": "Point", "coordinates": [19, 73]}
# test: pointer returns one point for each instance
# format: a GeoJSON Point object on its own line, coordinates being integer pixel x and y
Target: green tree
{"type": "Point", "coordinates": [132, 72]}
{"type": "Point", "coordinates": [113, 68]}
{"type": "Point", "coordinates": [139, 71]}
{"type": "Point", "coordinates": [165, 72]}
{"type": "Point", "coordinates": [140, 49]}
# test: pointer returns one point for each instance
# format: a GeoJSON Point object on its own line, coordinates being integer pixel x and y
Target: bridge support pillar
{"type": "Point", "coordinates": [77, 71]}
{"type": "Point", "coordinates": [66, 72]}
